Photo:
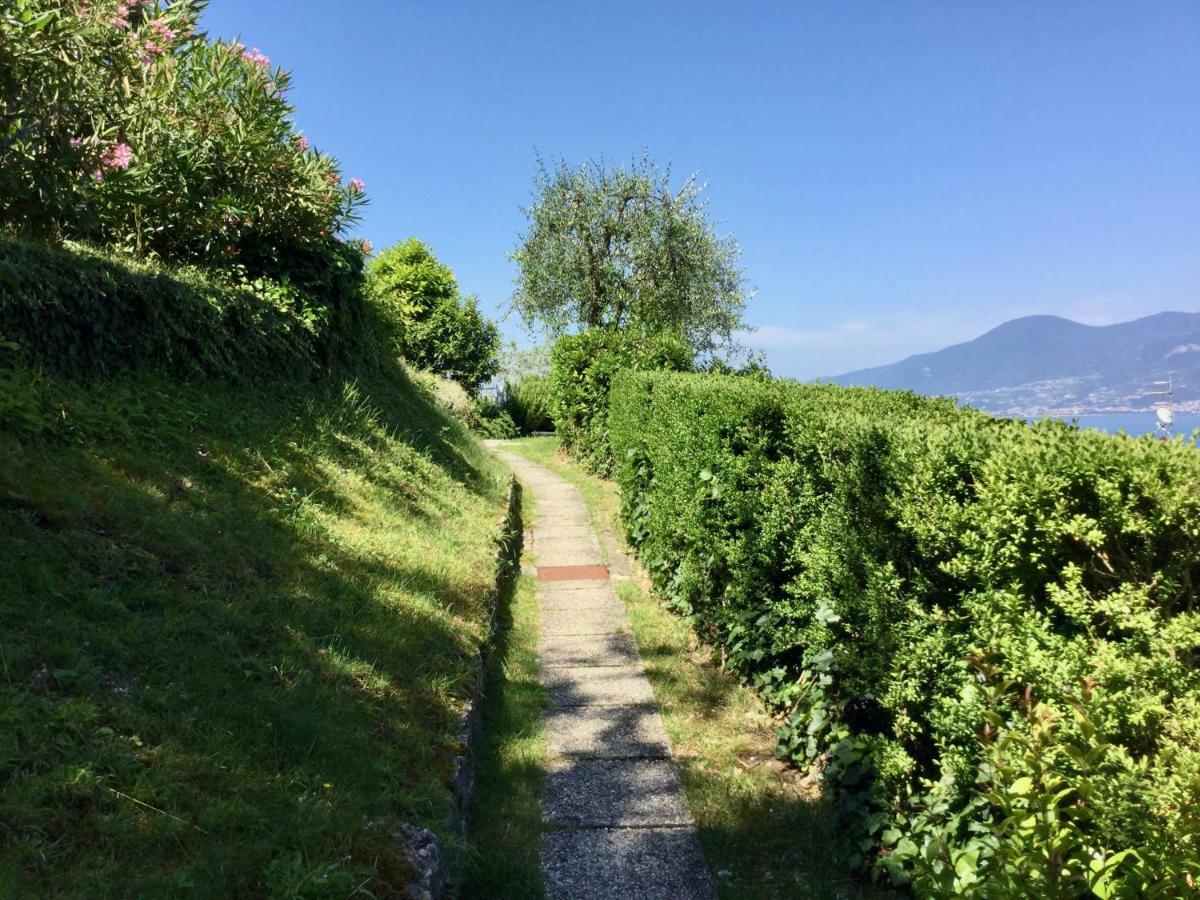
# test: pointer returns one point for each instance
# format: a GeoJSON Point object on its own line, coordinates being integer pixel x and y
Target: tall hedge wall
{"type": "Point", "coordinates": [581, 369]}
{"type": "Point", "coordinates": [984, 636]}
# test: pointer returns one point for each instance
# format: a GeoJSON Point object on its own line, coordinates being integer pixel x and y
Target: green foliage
{"type": "Point", "coordinates": [616, 248]}
{"type": "Point", "coordinates": [582, 368]}
{"type": "Point", "coordinates": [240, 625]}
{"type": "Point", "coordinates": [123, 126]}
{"type": "Point", "coordinates": [854, 552]}
{"type": "Point", "coordinates": [490, 420]}
{"type": "Point", "coordinates": [84, 312]}
{"type": "Point", "coordinates": [528, 401]}
{"type": "Point", "coordinates": [426, 320]}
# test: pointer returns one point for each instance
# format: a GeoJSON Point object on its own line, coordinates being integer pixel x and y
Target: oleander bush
{"type": "Point", "coordinates": [581, 369]}
{"type": "Point", "coordinates": [983, 636]}
{"type": "Point", "coordinates": [122, 125]}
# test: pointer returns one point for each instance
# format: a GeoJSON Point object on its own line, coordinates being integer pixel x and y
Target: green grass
{"type": "Point", "coordinates": [764, 827]}
{"type": "Point", "coordinates": [505, 819]}
{"type": "Point", "coordinates": [237, 630]}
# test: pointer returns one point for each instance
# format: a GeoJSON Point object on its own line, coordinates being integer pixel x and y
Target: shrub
{"type": "Point", "coordinates": [966, 624]}
{"type": "Point", "coordinates": [582, 367]}
{"type": "Point", "coordinates": [121, 125]}
{"type": "Point", "coordinates": [492, 421]}
{"type": "Point", "coordinates": [527, 401]}
{"type": "Point", "coordinates": [426, 320]}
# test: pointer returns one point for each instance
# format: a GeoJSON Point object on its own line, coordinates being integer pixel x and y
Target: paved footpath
{"type": "Point", "coordinates": [616, 823]}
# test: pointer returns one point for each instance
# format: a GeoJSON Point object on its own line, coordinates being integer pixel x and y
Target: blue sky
{"type": "Point", "coordinates": [900, 175]}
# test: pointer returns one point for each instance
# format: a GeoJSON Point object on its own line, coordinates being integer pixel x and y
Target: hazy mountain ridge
{"type": "Point", "coordinates": [1046, 364]}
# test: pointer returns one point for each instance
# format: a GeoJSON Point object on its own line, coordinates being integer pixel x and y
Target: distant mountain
{"type": "Point", "coordinates": [1045, 364]}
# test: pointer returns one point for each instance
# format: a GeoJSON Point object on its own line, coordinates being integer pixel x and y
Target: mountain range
{"type": "Point", "coordinates": [1040, 365]}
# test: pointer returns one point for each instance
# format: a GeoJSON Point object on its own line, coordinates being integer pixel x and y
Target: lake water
{"type": "Point", "coordinates": [1135, 423]}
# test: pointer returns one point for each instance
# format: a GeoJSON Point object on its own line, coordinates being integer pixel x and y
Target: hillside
{"type": "Point", "coordinates": [1044, 364]}
{"type": "Point", "coordinates": [240, 622]}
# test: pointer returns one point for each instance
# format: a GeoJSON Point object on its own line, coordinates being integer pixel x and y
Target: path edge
{"type": "Point", "coordinates": [439, 864]}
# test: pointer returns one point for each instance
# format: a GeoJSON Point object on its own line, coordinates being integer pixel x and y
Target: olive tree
{"type": "Point", "coordinates": [618, 247]}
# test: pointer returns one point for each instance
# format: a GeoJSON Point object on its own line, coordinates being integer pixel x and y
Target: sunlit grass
{"type": "Point", "coordinates": [238, 626]}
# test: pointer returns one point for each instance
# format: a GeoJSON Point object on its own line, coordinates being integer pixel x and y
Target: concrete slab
{"type": "Point", "coordinates": [582, 600]}
{"type": "Point", "coordinates": [596, 686]}
{"type": "Point", "coordinates": [613, 793]}
{"type": "Point", "coordinates": [569, 553]}
{"type": "Point", "coordinates": [625, 864]}
{"type": "Point", "coordinates": [602, 620]}
{"type": "Point", "coordinates": [607, 732]}
{"type": "Point", "coordinates": [579, 584]}
{"type": "Point", "coordinates": [578, 650]}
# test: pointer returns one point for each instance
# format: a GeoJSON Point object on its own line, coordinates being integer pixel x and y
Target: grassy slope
{"type": "Point", "coordinates": [237, 625]}
{"type": "Point", "coordinates": [764, 829]}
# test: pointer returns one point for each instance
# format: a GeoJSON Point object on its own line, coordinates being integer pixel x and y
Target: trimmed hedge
{"type": "Point", "coordinates": [984, 636]}
{"type": "Point", "coordinates": [581, 369]}
{"type": "Point", "coordinates": [83, 312]}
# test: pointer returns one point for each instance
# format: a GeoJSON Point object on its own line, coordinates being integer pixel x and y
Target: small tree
{"type": "Point", "coordinates": [617, 247]}
{"type": "Point", "coordinates": [430, 324]}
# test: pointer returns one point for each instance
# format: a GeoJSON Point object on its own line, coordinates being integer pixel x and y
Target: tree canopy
{"type": "Point", "coordinates": [432, 325]}
{"type": "Point", "coordinates": [619, 248]}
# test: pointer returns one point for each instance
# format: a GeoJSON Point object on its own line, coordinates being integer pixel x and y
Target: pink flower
{"type": "Point", "coordinates": [118, 156]}
{"type": "Point", "coordinates": [163, 30]}
{"type": "Point", "coordinates": [357, 185]}
{"type": "Point", "coordinates": [258, 58]}
{"type": "Point", "coordinates": [367, 247]}
{"type": "Point", "coordinates": [97, 176]}
{"type": "Point", "coordinates": [121, 19]}
{"type": "Point", "coordinates": [302, 143]}
{"type": "Point", "coordinates": [76, 143]}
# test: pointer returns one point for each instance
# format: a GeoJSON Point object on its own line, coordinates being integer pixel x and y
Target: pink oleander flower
{"type": "Point", "coordinates": [302, 143]}
{"type": "Point", "coordinates": [97, 176]}
{"type": "Point", "coordinates": [367, 246]}
{"type": "Point", "coordinates": [76, 143]}
{"type": "Point", "coordinates": [357, 185]}
{"type": "Point", "coordinates": [163, 30]}
{"type": "Point", "coordinates": [121, 19]}
{"type": "Point", "coordinates": [118, 156]}
{"type": "Point", "coordinates": [257, 57]}
{"type": "Point", "coordinates": [152, 50]}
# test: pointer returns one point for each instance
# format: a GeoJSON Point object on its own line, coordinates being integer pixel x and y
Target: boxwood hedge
{"type": "Point", "coordinates": [984, 636]}
{"type": "Point", "coordinates": [582, 368]}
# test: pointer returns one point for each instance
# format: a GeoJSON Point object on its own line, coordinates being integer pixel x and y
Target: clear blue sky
{"type": "Point", "coordinates": [901, 175]}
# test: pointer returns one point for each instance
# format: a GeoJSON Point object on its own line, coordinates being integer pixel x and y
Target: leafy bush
{"type": "Point", "coordinates": [527, 401]}
{"type": "Point", "coordinates": [425, 318]}
{"type": "Point", "coordinates": [492, 421]}
{"type": "Point", "coordinates": [582, 368]}
{"type": "Point", "coordinates": [84, 312]}
{"type": "Point", "coordinates": [121, 125]}
{"type": "Point", "coordinates": [981, 635]}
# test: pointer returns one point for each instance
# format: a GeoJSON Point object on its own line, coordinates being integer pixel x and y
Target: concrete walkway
{"type": "Point", "coordinates": [616, 823]}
